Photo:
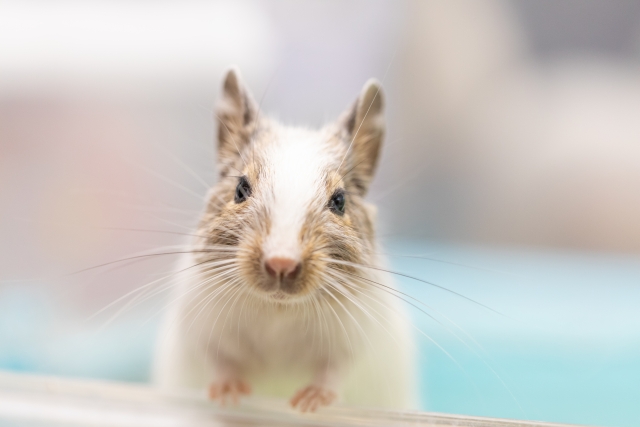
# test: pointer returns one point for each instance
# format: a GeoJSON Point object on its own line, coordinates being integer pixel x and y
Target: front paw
{"type": "Point", "coordinates": [230, 388]}
{"type": "Point", "coordinates": [312, 397]}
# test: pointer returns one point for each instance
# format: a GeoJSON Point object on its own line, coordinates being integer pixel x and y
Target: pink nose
{"type": "Point", "coordinates": [282, 267]}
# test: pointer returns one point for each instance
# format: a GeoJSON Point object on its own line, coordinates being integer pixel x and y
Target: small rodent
{"type": "Point", "coordinates": [283, 292]}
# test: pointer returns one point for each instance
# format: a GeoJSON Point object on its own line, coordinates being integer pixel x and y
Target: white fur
{"type": "Point", "coordinates": [277, 349]}
{"type": "Point", "coordinates": [222, 328]}
{"type": "Point", "coordinates": [298, 157]}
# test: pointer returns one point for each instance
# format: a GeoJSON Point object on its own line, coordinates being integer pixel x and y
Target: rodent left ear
{"type": "Point", "coordinates": [236, 115]}
{"type": "Point", "coordinates": [364, 126]}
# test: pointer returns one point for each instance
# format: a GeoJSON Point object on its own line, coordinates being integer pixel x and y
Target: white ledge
{"type": "Point", "coordinates": [49, 401]}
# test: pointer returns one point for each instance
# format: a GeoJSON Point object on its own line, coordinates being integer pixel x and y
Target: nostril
{"type": "Point", "coordinates": [270, 270]}
{"type": "Point", "coordinates": [285, 267]}
{"type": "Point", "coordinates": [293, 273]}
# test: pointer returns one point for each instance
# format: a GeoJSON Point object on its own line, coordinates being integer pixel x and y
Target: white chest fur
{"type": "Point", "coordinates": [277, 348]}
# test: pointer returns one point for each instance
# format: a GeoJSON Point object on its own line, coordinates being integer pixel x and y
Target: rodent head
{"type": "Point", "coordinates": [290, 200]}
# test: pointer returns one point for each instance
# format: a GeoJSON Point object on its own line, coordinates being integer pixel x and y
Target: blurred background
{"type": "Point", "coordinates": [513, 144]}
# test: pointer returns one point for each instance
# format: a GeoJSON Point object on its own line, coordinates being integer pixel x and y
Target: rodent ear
{"type": "Point", "coordinates": [236, 115]}
{"type": "Point", "coordinates": [364, 126]}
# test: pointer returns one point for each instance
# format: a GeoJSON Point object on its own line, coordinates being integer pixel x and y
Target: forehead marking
{"type": "Point", "coordinates": [296, 162]}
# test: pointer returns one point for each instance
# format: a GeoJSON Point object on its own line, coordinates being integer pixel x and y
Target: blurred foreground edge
{"type": "Point", "coordinates": [29, 400]}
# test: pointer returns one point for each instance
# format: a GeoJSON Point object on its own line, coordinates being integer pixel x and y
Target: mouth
{"type": "Point", "coordinates": [278, 295]}
{"type": "Point", "coordinates": [281, 291]}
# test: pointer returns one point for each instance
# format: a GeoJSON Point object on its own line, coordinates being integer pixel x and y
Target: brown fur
{"type": "Point", "coordinates": [316, 323]}
{"type": "Point", "coordinates": [350, 237]}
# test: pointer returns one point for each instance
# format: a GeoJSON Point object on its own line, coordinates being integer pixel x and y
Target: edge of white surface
{"type": "Point", "coordinates": [43, 400]}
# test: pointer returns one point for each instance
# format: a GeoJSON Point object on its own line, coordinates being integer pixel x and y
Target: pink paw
{"type": "Point", "coordinates": [312, 397]}
{"type": "Point", "coordinates": [221, 390]}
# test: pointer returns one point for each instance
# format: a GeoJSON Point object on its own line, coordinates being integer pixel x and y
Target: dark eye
{"type": "Point", "coordinates": [336, 204]}
{"type": "Point", "coordinates": [243, 190]}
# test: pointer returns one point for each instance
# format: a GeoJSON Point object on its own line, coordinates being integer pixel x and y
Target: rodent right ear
{"type": "Point", "coordinates": [236, 115]}
{"type": "Point", "coordinates": [364, 127]}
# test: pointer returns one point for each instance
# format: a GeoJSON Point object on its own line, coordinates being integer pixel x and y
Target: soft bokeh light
{"type": "Point", "coordinates": [513, 144]}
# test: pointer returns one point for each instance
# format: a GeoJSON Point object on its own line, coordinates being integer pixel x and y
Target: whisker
{"type": "Point", "coordinates": [367, 112]}
{"type": "Point", "coordinates": [205, 301]}
{"type": "Point", "coordinates": [133, 292]}
{"type": "Point", "coordinates": [213, 325]}
{"type": "Point", "coordinates": [203, 285]}
{"type": "Point", "coordinates": [391, 291]}
{"type": "Point", "coordinates": [361, 330]}
{"type": "Point", "coordinates": [165, 179]}
{"type": "Point", "coordinates": [189, 170]}
{"type": "Point", "coordinates": [233, 139]}
{"type": "Point", "coordinates": [149, 256]}
{"type": "Point", "coordinates": [145, 296]}
{"type": "Point", "coordinates": [257, 120]}
{"type": "Point", "coordinates": [142, 230]}
{"type": "Point", "coordinates": [244, 303]}
{"type": "Point", "coordinates": [214, 269]}
{"type": "Point", "coordinates": [341, 324]}
{"type": "Point", "coordinates": [450, 263]}
{"type": "Point", "coordinates": [416, 174]}
{"type": "Point", "coordinates": [353, 301]}
{"type": "Point", "coordinates": [351, 264]}
{"type": "Point", "coordinates": [166, 221]}
{"type": "Point", "coordinates": [319, 312]}
{"type": "Point", "coordinates": [233, 304]}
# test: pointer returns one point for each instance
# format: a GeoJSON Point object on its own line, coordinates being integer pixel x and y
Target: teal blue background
{"type": "Point", "coordinates": [564, 348]}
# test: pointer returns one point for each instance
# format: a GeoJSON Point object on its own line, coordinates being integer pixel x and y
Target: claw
{"type": "Point", "coordinates": [312, 397]}
{"type": "Point", "coordinates": [222, 390]}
